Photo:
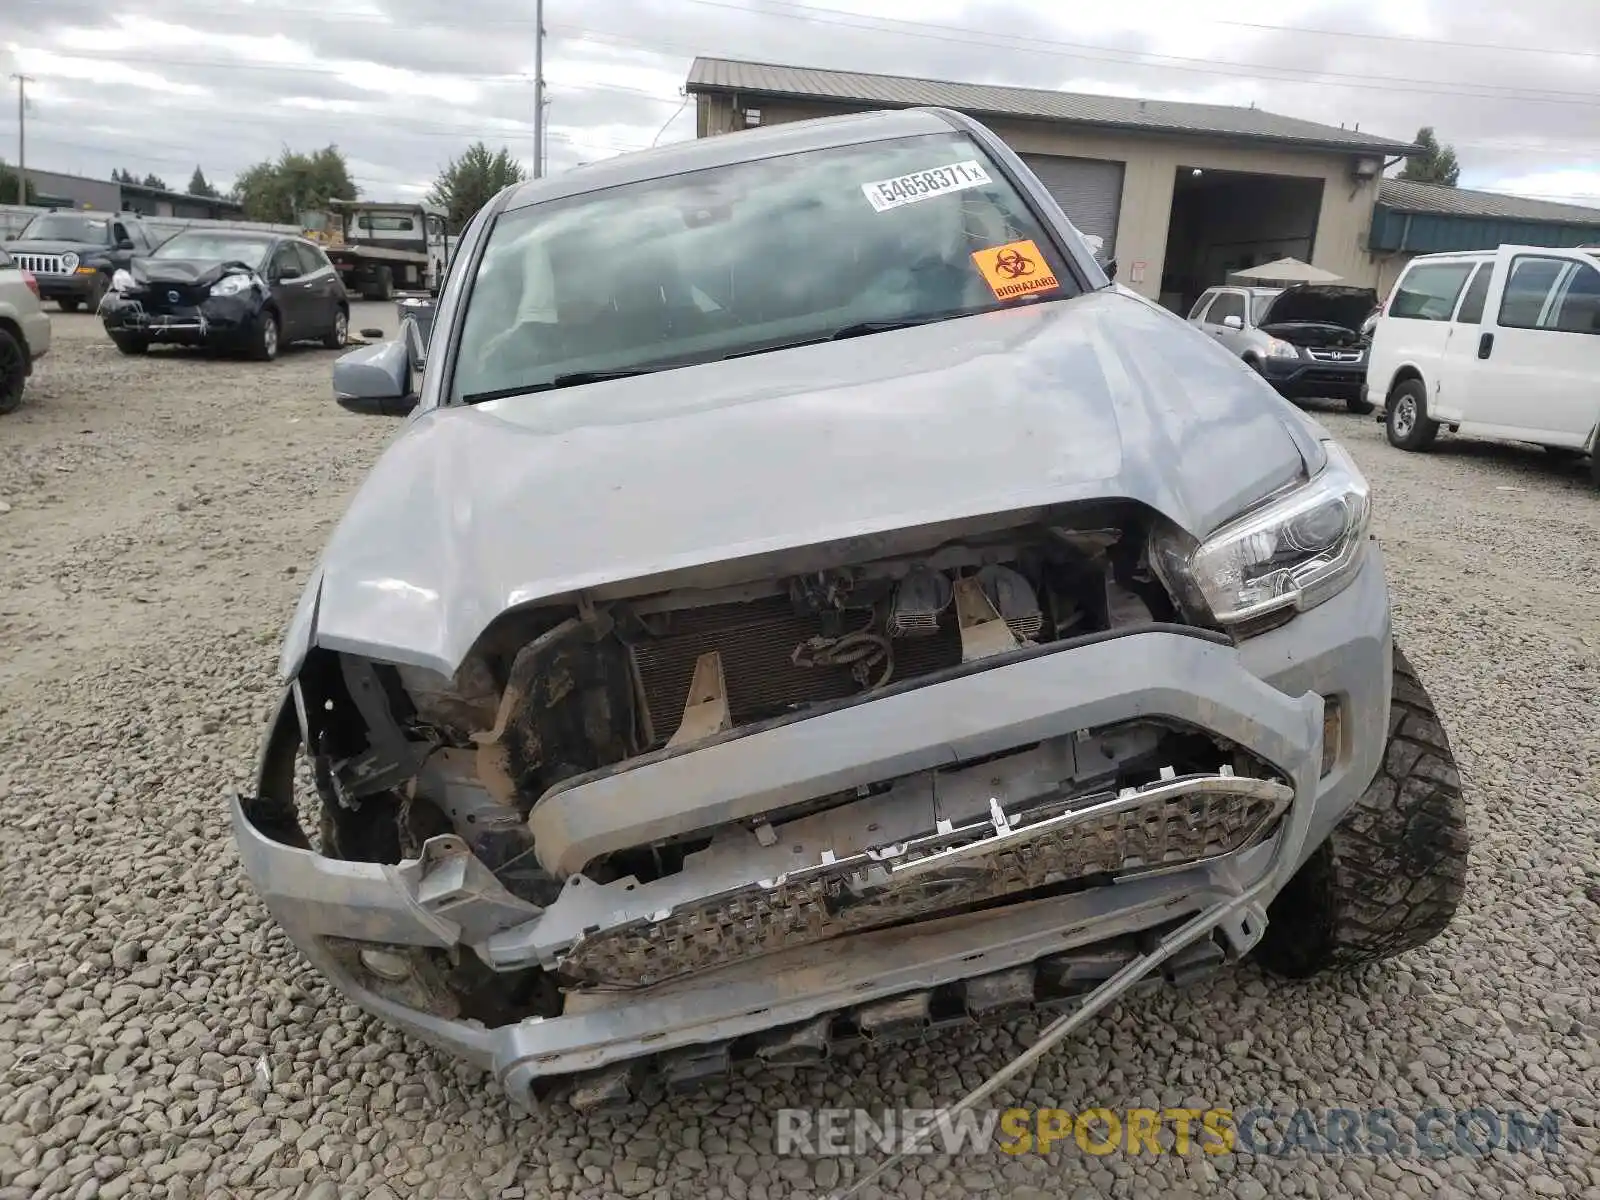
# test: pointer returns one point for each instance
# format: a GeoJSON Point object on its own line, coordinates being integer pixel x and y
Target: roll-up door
{"type": "Point", "coordinates": [1089, 191]}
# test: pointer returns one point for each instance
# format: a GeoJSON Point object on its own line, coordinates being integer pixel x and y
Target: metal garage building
{"type": "Point", "coordinates": [1182, 194]}
{"type": "Point", "coordinates": [1426, 218]}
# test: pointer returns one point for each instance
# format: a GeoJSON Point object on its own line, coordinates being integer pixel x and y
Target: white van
{"type": "Point", "coordinates": [1493, 343]}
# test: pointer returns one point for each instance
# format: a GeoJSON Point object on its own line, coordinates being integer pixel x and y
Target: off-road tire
{"type": "Point", "coordinates": [1360, 407]}
{"type": "Point", "coordinates": [70, 303]}
{"type": "Point", "coordinates": [1390, 876]}
{"type": "Point", "coordinates": [1422, 430]}
{"type": "Point", "coordinates": [13, 371]}
{"type": "Point", "coordinates": [130, 343]}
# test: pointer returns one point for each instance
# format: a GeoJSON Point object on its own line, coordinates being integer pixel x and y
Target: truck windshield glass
{"type": "Point", "coordinates": [219, 246]}
{"type": "Point", "coordinates": [749, 257]}
{"type": "Point", "coordinates": [67, 227]}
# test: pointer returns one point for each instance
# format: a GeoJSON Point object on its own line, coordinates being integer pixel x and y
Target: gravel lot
{"type": "Point", "coordinates": [156, 519]}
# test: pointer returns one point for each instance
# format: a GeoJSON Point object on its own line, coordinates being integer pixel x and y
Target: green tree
{"type": "Point", "coordinates": [200, 186]}
{"type": "Point", "coordinates": [1436, 163]}
{"type": "Point", "coordinates": [467, 183]}
{"type": "Point", "coordinates": [296, 183]}
{"type": "Point", "coordinates": [123, 175]}
{"type": "Point", "coordinates": [8, 187]}
{"type": "Point", "coordinates": [153, 180]}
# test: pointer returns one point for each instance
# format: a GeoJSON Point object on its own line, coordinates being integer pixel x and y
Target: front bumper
{"type": "Point", "coordinates": [218, 319]}
{"type": "Point", "coordinates": [1266, 695]}
{"type": "Point", "coordinates": [1302, 378]}
{"type": "Point", "coordinates": [77, 286]}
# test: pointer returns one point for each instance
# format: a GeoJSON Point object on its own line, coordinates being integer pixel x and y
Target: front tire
{"type": "Point", "coordinates": [1407, 421]}
{"type": "Point", "coordinates": [69, 303]}
{"type": "Point", "coordinates": [131, 343]}
{"type": "Point", "coordinates": [1390, 876]}
{"type": "Point", "coordinates": [264, 335]}
{"type": "Point", "coordinates": [1360, 407]}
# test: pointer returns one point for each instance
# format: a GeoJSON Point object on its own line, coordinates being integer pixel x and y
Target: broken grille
{"type": "Point", "coordinates": [1174, 822]}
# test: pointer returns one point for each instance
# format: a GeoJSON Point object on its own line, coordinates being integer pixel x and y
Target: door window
{"type": "Point", "coordinates": [1200, 305]}
{"type": "Point", "coordinates": [1477, 292]}
{"type": "Point", "coordinates": [309, 258]}
{"type": "Point", "coordinates": [1228, 304]}
{"type": "Point", "coordinates": [1429, 292]}
{"type": "Point", "coordinates": [119, 234]}
{"type": "Point", "coordinates": [1578, 303]}
{"type": "Point", "coordinates": [285, 262]}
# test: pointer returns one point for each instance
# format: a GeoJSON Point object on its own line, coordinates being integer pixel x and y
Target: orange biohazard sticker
{"type": "Point", "coordinates": [1015, 269]}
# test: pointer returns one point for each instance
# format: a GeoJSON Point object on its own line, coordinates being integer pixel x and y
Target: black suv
{"type": "Point", "coordinates": [73, 255]}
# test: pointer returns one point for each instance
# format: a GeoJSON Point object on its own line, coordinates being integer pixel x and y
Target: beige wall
{"type": "Point", "coordinates": [1151, 165]}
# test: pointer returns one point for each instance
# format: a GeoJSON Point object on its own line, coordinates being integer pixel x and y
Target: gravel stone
{"type": "Point", "coordinates": [160, 1037]}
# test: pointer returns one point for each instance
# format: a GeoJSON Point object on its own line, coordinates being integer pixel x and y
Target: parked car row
{"type": "Point", "coordinates": [1491, 343]}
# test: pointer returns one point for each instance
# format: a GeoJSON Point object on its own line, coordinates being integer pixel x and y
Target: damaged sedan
{"type": "Point", "coordinates": [807, 603]}
{"type": "Point", "coordinates": [228, 289]}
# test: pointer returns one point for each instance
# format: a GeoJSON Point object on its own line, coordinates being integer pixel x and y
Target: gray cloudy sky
{"type": "Point", "coordinates": [402, 85]}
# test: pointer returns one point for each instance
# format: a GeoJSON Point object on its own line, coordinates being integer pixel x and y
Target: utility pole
{"type": "Point", "coordinates": [22, 136]}
{"type": "Point", "coordinates": [538, 88]}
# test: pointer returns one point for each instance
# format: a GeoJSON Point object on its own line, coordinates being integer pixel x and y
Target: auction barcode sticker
{"type": "Point", "coordinates": [921, 185]}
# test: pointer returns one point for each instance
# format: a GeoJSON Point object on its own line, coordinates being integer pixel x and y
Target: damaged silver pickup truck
{"type": "Point", "coordinates": [806, 603]}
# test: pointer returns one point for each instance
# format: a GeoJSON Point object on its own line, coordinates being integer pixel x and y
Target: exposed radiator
{"type": "Point", "coordinates": [756, 641]}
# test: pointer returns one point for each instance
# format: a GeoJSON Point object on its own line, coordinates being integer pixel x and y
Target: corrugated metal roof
{"type": "Point", "coordinates": [1118, 112]}
{"type": "Point", "coordinates": [1404, 195]}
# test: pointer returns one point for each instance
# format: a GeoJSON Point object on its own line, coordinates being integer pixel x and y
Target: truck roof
{"type": "Point", "coordinates": [399, 206]}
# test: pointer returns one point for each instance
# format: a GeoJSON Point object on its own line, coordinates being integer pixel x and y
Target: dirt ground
{"type": "Point", "coordinates": [158, 1037]}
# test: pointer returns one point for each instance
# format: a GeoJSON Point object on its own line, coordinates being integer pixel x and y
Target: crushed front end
{"type": "Point", "coordinates": [645, 836]}
{"type": "Point", "coordinates": [175, 304]}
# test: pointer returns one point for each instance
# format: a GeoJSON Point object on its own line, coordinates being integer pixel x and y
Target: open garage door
{"type": "Point", "coordinates": [1089, 191]}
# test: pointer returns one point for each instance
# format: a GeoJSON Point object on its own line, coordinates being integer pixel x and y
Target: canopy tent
{"type": "Point", "coordinates": [1285, 270]}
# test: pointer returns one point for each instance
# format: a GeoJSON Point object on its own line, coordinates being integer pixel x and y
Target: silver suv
{"type": "Point", "coordinates": [1307, 340]}
{"type": "Point", "coordinates": [24, 331]}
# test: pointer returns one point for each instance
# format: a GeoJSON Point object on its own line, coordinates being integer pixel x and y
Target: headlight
{"type": "Point", "coordinates": [1295, 551]}
{"type": "Point", "coordinates": [1278, 348]}
{"type": "Point", "coordinates": [232, 285]}
{"type": "Point", "coordinates": [121, 281]}
{"type": "Point", "coordinates": [69, 262]}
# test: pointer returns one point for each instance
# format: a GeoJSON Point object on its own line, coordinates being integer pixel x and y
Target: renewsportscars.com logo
{"type": "Point", "coordinates": [1261, 1131]}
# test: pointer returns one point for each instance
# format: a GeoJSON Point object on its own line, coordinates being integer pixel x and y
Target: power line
{"type": "Point", "coordinates": [366, 18]}
{"type": "Point", "coordinates": [1226, 68]}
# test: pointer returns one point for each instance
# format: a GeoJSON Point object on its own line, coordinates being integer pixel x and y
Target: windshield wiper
{"type": "Point", "coordinates": [575, 379]}
{"type": "Point", "coordinates": [862, 329]}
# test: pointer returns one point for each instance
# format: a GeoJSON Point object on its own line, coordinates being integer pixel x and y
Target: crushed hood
{"type": "Point", "coordinates": [1320, 304]}
{"type": "Point", "coordinates": [182, 270]}
{"type": "Point", "coordinates": [472, 511]}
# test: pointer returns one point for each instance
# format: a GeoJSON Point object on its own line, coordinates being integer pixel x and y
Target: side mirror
{"type": "Point", "coordinates": [125, 244]}
{"type": "Point", "coordinates": [375, 379]}
{"type": "Point", "coordinates": [1233, 322]}
{"type": "Point", "coordinates": [1111, 269]}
